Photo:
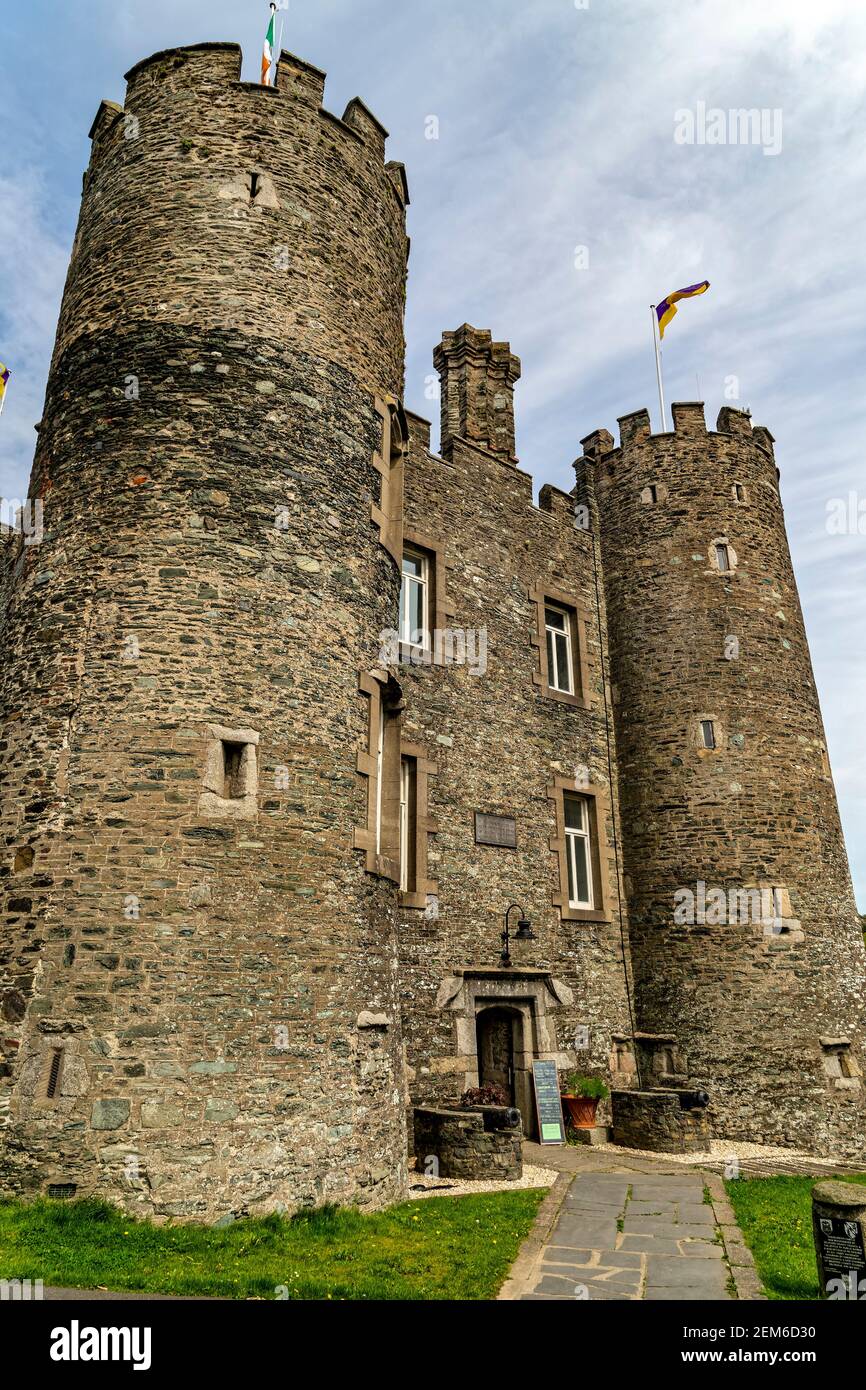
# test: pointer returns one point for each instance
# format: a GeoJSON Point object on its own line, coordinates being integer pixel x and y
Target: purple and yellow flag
{"type": "Point", "coordinates": [4, 378]}
{"type": "Point", "coordinates": [668, 306]}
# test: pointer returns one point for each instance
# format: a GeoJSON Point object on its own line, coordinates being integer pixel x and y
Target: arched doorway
{"type": "Point", "coordinates": [496, 1034]}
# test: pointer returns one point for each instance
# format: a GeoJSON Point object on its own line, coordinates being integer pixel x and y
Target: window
{"type": "Point", "coordinates": [415, 599]}
{"type": "Point", "coordinates": [379, 762]}
{"type": "Point", "coordinates": [580, 845]}
{"type": "Point", "coordinates": [389, 462]}
{"type": "Point", "coordinates": [560, 668]}
{"type": "Point", "coordinates": [723, 559]}
{"type": "Point", "coordinates": [408, 823]}
{"type": "Point", "coordinates": [708, 733]}
{"type": "Point", "coordinates": [230, 786]}
{"type": "Point", "coordinates": [54, 1073]}
{"type": "Point", "coordinates": [380, 759]}
{"type": "Point", "coordinates": [561, 625]}
{"type": "Point", "coordinates": [739, 492]}
{"type": "Point", "coordinates": [233, 758]}
{"type": "Point", "coordinates": [578, 851]}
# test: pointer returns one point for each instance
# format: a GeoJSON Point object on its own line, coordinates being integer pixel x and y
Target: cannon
{"type": "Point", "coordinates": [694, 1100]}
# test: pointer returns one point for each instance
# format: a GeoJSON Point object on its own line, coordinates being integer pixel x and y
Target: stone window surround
{"type": "Point", "coordinates": [733, 559]}
{"type": "Point", "coordinates": [539, 595]}
{"type": "Point", "coordinates": [440, 612]}
{"type": "Point", "coordinates": [384, 861]}
{"type": "Point", "coordinates": [839, 1064]}
{"type": "Point", "coordinates": [211, 801]}
{"type": "Point", "coordinates": [662, 494]}
{"type": "Point", "coordinates": [599, 803]}
{"type": "Point", "coordinates": [698, 738]}
{"type": "Point", "coordinates": [740, 501]}
{"type": "Point", "coordinates": [424, 826]}
{"type": "Point", "coordinates": [390, 462]}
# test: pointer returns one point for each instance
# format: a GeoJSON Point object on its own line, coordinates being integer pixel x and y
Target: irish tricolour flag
{"type": "Point", "coordinates": [268, 53]}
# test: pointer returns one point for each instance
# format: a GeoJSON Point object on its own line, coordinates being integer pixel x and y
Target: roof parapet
{"type": "Point", "coordinates": [300, 79]}
{"type": "Point", "coordinates": [368, 126]}
{"type": "Point", "coordinates": [689, 418]}
{"type": "Point", "coordinates": [634, 427]}
{"type": "Point", "coordinates": [214, 61]}
{"type": "Point", "coordinates": [597, 444]}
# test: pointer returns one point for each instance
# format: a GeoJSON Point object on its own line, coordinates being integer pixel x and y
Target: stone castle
{"type": "Point", "coordinates": [293, 710]}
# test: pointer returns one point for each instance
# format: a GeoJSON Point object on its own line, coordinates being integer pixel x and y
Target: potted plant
{"type": "Point", "coordinates": [580, 1096]}
{"type": "Point", "coordinates": [483, 1095]}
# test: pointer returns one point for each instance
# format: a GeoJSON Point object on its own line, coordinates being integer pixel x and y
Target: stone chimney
{"type": "Point", "coordinates": [477, 385]}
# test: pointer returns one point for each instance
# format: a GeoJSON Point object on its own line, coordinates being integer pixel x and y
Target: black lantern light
{"type": "Point", "coordinates": [524, 932]}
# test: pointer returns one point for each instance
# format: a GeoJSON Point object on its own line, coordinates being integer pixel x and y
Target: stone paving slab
{"type": "Point", "coordinates": [632, 1238]}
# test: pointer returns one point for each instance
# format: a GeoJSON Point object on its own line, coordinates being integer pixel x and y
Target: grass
{"type": "Point", "coordinates": [438, 1248]}
{"type": "Point", "coordinates": [775, 1216]}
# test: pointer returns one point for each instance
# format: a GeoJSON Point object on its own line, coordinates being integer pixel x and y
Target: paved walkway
{"type": "Point", "coordinates": [632, 1236]}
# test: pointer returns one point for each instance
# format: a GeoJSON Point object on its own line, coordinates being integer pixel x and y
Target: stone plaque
{"type": "Point", "coordinates": [495, 830]}
{"type": "Point", "coordinates": [841, 1243]}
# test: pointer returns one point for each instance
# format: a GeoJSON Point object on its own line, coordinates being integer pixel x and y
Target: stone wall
{"type": "Point", "coordinates": [499, 743]}
{"type": "Point", "coordinates": [658, 1122]}
{"type": "Point", "coordinates": [751, 1004]}
{"type": "Point", "coordinates": [207, 970]}
{"type": "Point", "coordinates": [464, 1146]}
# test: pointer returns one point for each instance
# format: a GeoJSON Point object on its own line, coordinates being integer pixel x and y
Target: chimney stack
{"type": "Point", "coordinates": [477, 391]}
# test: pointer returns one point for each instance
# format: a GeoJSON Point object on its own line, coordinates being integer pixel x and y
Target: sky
{"type": "Point", "coordinates": [559, 199]}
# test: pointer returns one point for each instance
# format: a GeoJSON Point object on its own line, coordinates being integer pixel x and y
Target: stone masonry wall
{"type": "Point", "coordinates": [753, 1007]}
{"type": "Point", "coordinates": [221, 986]}
{"type": "Point", "coordinates": [498, 744]}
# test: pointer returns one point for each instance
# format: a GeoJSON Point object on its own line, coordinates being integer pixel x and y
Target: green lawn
{"type": "Point", "coordinates": [437, 1248]}
{"type": "Point", "coordinates": [775, 1216]}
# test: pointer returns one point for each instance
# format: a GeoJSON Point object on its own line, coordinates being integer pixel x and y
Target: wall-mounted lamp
{"type": "Point", "coordinates": [524, 932]}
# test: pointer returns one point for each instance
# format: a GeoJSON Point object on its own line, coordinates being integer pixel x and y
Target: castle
{"type": "Point", "coordinates": [293, 710]}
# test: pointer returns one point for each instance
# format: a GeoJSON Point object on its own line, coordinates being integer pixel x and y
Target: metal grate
{"type": "Point", "coordinates": [54, 1074]}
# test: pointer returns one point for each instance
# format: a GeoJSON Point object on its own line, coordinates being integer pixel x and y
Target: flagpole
{"type": "Point", "coordinates": [657, 347]}
{"type": "Point", "coordinates": [273, 10]}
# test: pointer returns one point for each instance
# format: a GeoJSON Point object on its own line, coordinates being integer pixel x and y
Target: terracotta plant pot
{"type": "Point", "coordinates": [581, 1111]}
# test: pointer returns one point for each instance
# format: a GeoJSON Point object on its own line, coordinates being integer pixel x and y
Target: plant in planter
{"type": "Point", "coordinates": [580, 1096]}
{"type": "Point", "coordinates": [484, 1095]}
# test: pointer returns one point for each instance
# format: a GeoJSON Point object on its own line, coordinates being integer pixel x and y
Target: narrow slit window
{"type": "Point", "coordinates": [380, 765]}
{"type": "Point", "coordinates": [415, 599]}
{"type": "Point", "coordinates": [708, 733]}
{"type": "Point", "coordinates": [739, 492]}
{"type": "Point", "coordinates": [653, 492]}
{"type": "Point", "coordinates": [560, 666]}
{"type": "Point", "coordinates": [408, 824]}
{"type": "Point", "coordinates": [54, 1073]}
{"type": "Point", "coordinates": [254, 187]}
{"type": "Point", "coordinates": [578, 851]}
{"type": "Point", "coordinates": [233, 761]}
{"type": "Point", "coordinates": [723, 559]}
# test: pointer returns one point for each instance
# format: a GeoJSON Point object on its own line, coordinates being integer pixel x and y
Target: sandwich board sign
{"type": "Point", "coordinates": [548, 1106]}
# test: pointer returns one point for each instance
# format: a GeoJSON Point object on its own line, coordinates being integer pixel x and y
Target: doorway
{"type": "Point", "coordinates": [495, 1030]}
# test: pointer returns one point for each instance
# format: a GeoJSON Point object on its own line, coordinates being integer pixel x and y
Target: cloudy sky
{"type": "Point", "coordinates": [556, 125]}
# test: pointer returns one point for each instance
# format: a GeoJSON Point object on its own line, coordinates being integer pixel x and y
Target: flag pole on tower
{"type": "Point", "coordinates": [657, 347]}
{"type": "Point", "coordinates": [268, 51]}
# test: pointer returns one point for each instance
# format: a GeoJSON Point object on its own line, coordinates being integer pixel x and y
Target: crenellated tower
{"type": "Point", "coordinates": [197, 978]}
{"type": "Point", "coordinates": [746, 946]}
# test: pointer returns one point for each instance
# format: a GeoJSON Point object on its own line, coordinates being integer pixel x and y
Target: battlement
{"type": "Point", "coordinates": [689, 423]}
{"type": "Point", "coordinates": [198, 69]}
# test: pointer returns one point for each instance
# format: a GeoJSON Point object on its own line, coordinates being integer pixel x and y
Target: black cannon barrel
{"type": "Point", "coordinates": [694, 1100]}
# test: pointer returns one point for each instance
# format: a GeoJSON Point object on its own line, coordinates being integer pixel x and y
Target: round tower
{"type": "Point", "coordinates": [197, 985]}
{"type": "Point", "coordinates": [748, 957]}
